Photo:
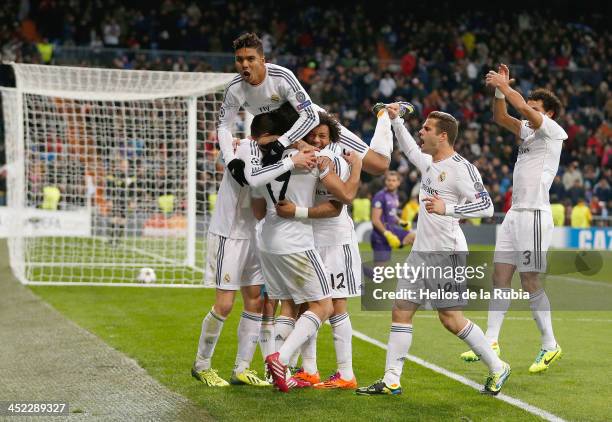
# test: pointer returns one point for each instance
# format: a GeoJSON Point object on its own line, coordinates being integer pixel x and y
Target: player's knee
{"type": "Point", "coordinates": [223, 308]}
{"type": "Point", "coordinates": [530, 282]}
{"type": "Point", "coordinates": [450, 321]}
{"type": "Point", "coordinates": [253, 304]}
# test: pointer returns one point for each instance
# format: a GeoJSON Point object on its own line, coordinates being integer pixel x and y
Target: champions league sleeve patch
{"type": "Point", "coordinates": [300, 96]}
{"type": "Point", "coordinates": [303, 105]}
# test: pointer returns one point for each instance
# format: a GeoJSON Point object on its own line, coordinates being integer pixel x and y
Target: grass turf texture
{"type": "Point", "coordinates": [160, 328]}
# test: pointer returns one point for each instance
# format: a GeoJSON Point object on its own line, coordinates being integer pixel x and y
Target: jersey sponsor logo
{"type": "Point", "coordinates": [429, 189]}
{"type": "Point", "coordinates": [482, 194]}
{"type": "Point", "coordinates": [478, 186]}
{"type": "Point", "coordinates": [523, 150]}
{"type": "Point", "coordinates": [275, 98]}
{"type": "Point", "coordinates": [300, 97]}
{"type": "Point", "coordinates": [264, 109]}
{"type": "Point", "coordinates": [303, 105]}
{"type": "Point", "coordinates": [442, 176]}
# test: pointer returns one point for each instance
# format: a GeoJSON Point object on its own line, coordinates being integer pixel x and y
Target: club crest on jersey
{"type": "Point", "coordinates": [226, 278]}
{"type": "Point", "coordinates": [275, 98]}
{"type": "Point", "coordinates": [479, 186]}
{"type": "Point", "coordinates": [442, 176]}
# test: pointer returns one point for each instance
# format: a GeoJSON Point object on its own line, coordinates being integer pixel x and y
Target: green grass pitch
{"type": "Point", "coordinates": [159, 328]}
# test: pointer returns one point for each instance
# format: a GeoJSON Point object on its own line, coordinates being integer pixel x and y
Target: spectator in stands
{"type": "Point", "coordinates": [581, 216]}
{"type": "Point", "coordinates": [571, 176]}
{"type": "Point", "coordinates": [558, 211]}
{"type": "Point", "coordinates": [576, 192]}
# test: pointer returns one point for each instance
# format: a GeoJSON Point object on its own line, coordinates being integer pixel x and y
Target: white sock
{"type": "Point", "coordinates": [283, 326]}
{"type": "Point", "coordinates": [475, 338]}
{"type": "Point", "coordinates": [211, 329]}
{"type": "Point", "coordinates": [497, 311]}
{"type": "Point", "coordinates": [309, 354]}
{"type": "Point", "coordinates": [382, 141]}
{"type": "Point", "coordinates": [266, 336]}
{"type": "Point", "coordinates": [293, 362]}
{"type": "Point", "coordinates": [248, 335]}
{"type": "Point", "coordinates": [305, 327]}
{"type": "Point", "coordinates": [540, 308]}
{"type": "Point", "coordinates": [343, 336]}
{"type": "Point", "coordinates": [400, 339]}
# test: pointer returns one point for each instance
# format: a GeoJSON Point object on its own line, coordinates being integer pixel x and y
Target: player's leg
{"type": "Point", "coordinates": [505, 258]}
{"type": "Point", "coordinates": [537, 228]}
{"type": "Point", "coordinates": [455, 322]}
{"type": "Point", "coordinates": [398, 345]}
{"type": "Point", "coordinates": [313, 288]}
{"type": "Point", "coordinates": [498, 306]}
{"type": "Point", "coordinates": [375, 158]}
{"type": "Point", "coordinates": [249, 328]}
{"type": "Point", "coordinates": [550, 351]}
{"type": "Point", "coordinates": [212, 325]}
{"type": "Point", "coordinates": [266, 335]}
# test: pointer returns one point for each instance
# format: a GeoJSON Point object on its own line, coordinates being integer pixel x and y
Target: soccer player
{"type": "Point", "coordinates": [120, 191]}
{"type": "Point", "coordinates": [261, 87]}
{"type": "Point", "coordinates": [527, 229]}
{"type": "Point", "coordinates": [448, 181]}
{"type": "Point", "coordinates": [232, 265]}
{"type": "Point", "coordinates": [387, 233]}
{"type": "Point", "coordinates": [293, 269]}
{"type": "Point", "coordinates": [336, 241]}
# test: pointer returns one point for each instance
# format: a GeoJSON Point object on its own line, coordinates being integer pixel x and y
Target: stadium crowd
{"type": "Point", "coordinates": [349, 61]}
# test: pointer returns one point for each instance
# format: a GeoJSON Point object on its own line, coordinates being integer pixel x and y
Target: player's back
{"type": "Point", "coordinates": [281, 235]}
{"type": "Point", "coordinates": [232, 216]}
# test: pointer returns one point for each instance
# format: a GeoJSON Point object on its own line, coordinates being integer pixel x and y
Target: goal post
{"type": "Point", "coordinates": [110, 171]}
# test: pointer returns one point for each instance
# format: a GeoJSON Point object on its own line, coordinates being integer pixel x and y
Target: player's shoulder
{"type": "Point", "coordinates": [553, 129]}
{"type": "Point", "coordinates": [272, 67]}
{"type": "Point", "coordinates": [234, 84]}
{"type": "Point", "coordinates": [464, 167]}
{"type": "Point", "coordinates": [248, 147]}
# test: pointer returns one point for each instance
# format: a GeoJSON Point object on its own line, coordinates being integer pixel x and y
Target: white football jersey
{"type": "Point", "coordinates": [458, 183]}
{"type": "Point", "coordinates": [233, 217]}
{"type": "Point", "coordinates": [337, 230]}
{"type": "Point", "coordinates": [283, 236]}
{"type": "Point", "coordinates": [279, 86]}
{"type": "Point", "coordinates": [536, 164]}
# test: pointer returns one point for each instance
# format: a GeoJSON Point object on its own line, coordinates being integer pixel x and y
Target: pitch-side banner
{"type": "Point", "coordinates": [31, 222]}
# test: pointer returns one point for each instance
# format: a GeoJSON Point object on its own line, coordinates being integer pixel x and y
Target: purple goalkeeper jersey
{"type": "Point", "coordinates": [389, 203]}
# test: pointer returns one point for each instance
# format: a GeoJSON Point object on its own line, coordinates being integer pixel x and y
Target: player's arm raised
{"type": "Point", "coordinates": [501, 82]}
{"type": "Point", "coordinates": [343, 191]}
{"type": "Point", "coordinates": [407, 143]}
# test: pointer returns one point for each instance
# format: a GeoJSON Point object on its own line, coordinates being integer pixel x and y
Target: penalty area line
{"type": "Point", "coordinates": [463, 380]}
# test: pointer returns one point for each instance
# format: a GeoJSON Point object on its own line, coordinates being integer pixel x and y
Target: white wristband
{"type": "Point", "coordinates": [499, 94]}
{"type": "Point", "coordinates": [301, 212]}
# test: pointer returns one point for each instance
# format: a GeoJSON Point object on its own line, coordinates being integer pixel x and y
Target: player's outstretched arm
{"type": "Point", "coordinates": [502, 83]}
{"type": "Point", "coordinates": [500, 110]}
{"type": "Point", "coordinates": [326, 209]}
{"type": "Point", "coordinates": [257, 175]}
{"type": "Point", "coordinates": [343, 191]}
{"type": "Point", "coordinates": [406, 142]}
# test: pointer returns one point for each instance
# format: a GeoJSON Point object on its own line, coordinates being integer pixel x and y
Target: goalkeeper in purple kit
{"type": "Point", "coordinates": [387, 233]}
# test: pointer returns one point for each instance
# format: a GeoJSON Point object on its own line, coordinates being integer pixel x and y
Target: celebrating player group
{"type": "Point", "coordinates": [281, 233]}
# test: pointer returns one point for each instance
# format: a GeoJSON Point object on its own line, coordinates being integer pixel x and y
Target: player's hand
{"type": "Point", "coordinates": [304, 146]}
{"type": "Point", "coordinates": [435, 205]}
{"type": "Point", "coordinates": [304, 160]}
{"type": "Point", "coordinates": [235, 144]}
{"type": "Point", "coordinates": [392, 239]}
{"type": "Point", "coordinates": [236, 169]}
{"type": "Point", "coordinates": [285, 209]}
{"type": "Point", "coordinates": [393, 110]}
{"type": "Point", "coordinates": [496, 80]}
{"type": "Point", "coordinates": [505, 72]}
{"type": "Point", "coordinates": [353, 159]}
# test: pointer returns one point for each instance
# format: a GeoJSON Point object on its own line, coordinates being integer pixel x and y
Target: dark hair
{"type": "Point", "coordinates": [248, 40]}
{"type": "Point", "coordinates": [550, 101]}
{"type": "Point", "coordinates": [332, 124]}
{"type": "Point", "coordinates": [274, 122]}
{"type": "Point", "coordinates": [445, 123]}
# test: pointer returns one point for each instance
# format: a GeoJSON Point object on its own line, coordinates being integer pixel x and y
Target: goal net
{"type": "Point", "coordinates": [110, 171]}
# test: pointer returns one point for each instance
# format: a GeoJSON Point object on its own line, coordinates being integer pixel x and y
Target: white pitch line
{"type": "Point", "coordinates": [511, 318]}
{"type": "Point", "coordinates": [580, 281]}
{"type": "Point", "coordinates": [463, 380]}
